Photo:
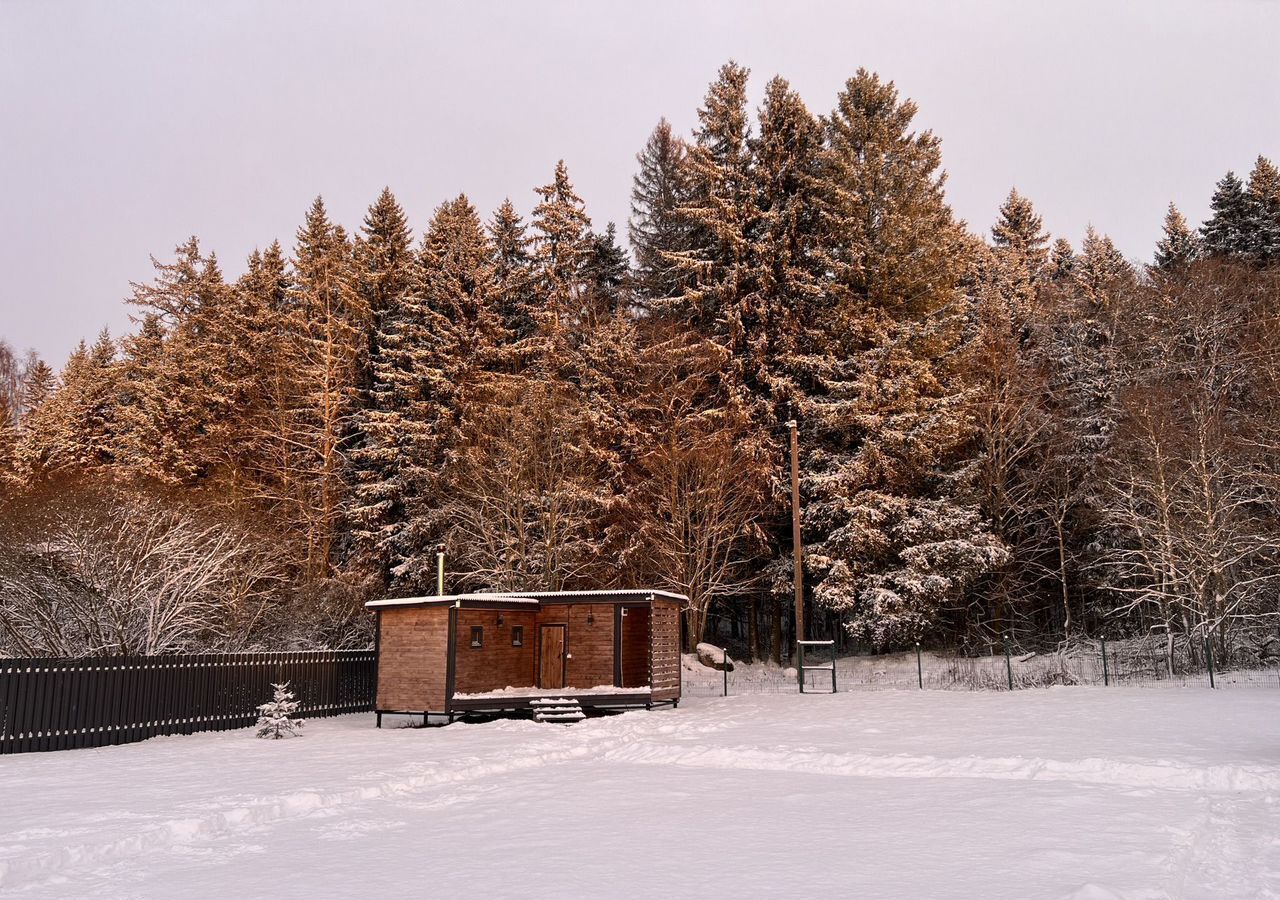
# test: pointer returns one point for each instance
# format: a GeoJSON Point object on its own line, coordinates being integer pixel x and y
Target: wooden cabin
{"type": "Point", "coordinates": [496, 652]}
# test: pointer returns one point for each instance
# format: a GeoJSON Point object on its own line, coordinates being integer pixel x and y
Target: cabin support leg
{"type": "Point", "coordinates": [379, 719]}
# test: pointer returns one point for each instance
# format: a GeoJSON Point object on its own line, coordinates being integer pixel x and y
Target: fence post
{"type": "Point", "coordinates": [1008, 661]}
{"type": "Point", "coordinates": [800, 666]}
{"type": "Point", "coordinates": [919, 667]}
{"type": "Point", "coordinates": [1208, 655]}
{"type": "Point", "coordinates": [726, 671]}
{"type": "Point", "coordinates": [1106, 675]}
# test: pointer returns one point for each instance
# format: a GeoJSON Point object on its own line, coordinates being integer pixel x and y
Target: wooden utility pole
{"type": "Point", "coordinates": [798, 575]}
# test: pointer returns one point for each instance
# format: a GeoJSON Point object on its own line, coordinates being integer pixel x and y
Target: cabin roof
{"type": "Point", "coordinates": [528, 598]}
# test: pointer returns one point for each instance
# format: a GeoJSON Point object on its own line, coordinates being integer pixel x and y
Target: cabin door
{"type": "Point", "coordinates": [551, 640]}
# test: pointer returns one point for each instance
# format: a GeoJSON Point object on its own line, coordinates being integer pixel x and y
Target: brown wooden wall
{"type": "Point", "coordinates": [590, 646]}
{"type": "Point", "coordinates": [497, 664]}
{"type": "Point", "coordinates": [413, 652]}
{"type": "Point", "coordinates": [665, 667]}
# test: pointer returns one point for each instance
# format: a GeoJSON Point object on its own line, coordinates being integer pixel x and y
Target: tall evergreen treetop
{"type": "Point", "coordinates": [899, 240]}
{"type": "Point", "coordinates": [1179, 245]}
{"type": "Point", "coordinates": [607, 272]}
{"type": "Point", "coordinates": [1264, 197]}
{"type": "Point", "coordinates": [720, 210]}
{"type": "Point", "coordinates": [386, 258]}
{"type": "Point", "coordinates": [1099, 269]}
{"type": "Point", "coordinates": [776, 316]}
{"type": "Point", "coordinates": [385, 268]}
{"type": "Point", "coordinates": [1229, 229]}
{"type": "Point", "coordinates": [38, 383]}
{"type": "Point", "coordinates": [1019, 231]}
{"type": "Point", "coordinates": [562, 249]}
{"type": "Point", "coordinates": [1062, 260]}
{"type": "Point", "coordinates": [657, 229]}
{"type": "Point", "coordinates": [514, 301]}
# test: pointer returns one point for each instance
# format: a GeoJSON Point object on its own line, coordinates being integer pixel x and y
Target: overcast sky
{"type": "Point", "coordinates": [127, 126]}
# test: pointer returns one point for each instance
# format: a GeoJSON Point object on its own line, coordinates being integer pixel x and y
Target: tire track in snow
{"type": "Point", "coordinates": [266, 811]}
{"type": "Point", "coordinates": [1120, 773]}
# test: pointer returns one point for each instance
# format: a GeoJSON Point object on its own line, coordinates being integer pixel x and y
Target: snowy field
{"type": "Point", "coordinates": [1079, 793]}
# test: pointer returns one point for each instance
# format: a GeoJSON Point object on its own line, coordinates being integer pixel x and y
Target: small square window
{"type": "Point", "coordinates": [517, 635]}
{"type": "Point", "coordinates": [477, 636]}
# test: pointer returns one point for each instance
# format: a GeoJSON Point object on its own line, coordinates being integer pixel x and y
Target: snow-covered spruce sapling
{"type": "Point", "coordinates": [275, 721]}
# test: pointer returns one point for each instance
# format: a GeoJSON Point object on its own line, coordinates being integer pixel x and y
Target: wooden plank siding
{"type": "Point", "coordinates": [590, 646]}
{"type": "Point", "coordinates": [496, 664]}
{"type": "Point", "coordinates": [664, 667]}
{"type": "Point", "coordinates": [413, 658]}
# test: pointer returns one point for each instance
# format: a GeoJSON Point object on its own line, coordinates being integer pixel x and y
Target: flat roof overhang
{"type": "Point", "coordinates": [528, 600]}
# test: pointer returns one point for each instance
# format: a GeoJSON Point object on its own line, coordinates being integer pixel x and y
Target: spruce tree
{"type": "Point", "coordinates": [76, 427]}
{"type": "Point", "coordinates": [269, 316]}
{"type": "Point", "coordinates": [892, 534]}
{"type": "Point", "coordinates": [774, 318]}
{"type": "Point", "coordinates": [514, 300]}
{"type": "Point", "coordinates": [656, 227]}
{"type": "Point", "coordinates": [1062, 260]}
{"type": "Point", "coordinates": [1264, 201]}
{"type": "Point", "coordinates": [1179, 245]}
{"type": "Point", "coordinates": [720, 212]}
{"type": "Point", "coordinates": [38, 383]}
{"type": "Point", "coordinates": [899, 239]}
{"type": "Point", "coordinates": [385, 267]}
{"type": "Point", "coordinates": [1229, 230]}
{"type": "Point", "coordinates": [1018, 234]}
{"type": "Point", "coordinates": [608, 272]}
{"type": "Point", "coordinates": [432, 348]}
{"type": "Point", "coordinates": [333, 317]}
{"type": "Point", "coordinates": [386, 280]}
{"type": "Point", "coordinates": [562, 250]}
{"type": "Point", "coordinates": [1100, 270]}
{"type": "Point", "coordinates": [197, 376]}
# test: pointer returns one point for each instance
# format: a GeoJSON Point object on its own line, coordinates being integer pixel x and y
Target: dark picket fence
{"type": "Point", "coordinates": [61, 704]}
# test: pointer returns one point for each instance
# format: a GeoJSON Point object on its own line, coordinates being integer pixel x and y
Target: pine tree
{"type": "Point", "coordinates": [385, 266]}
{"type": "Point", "coordinates": [1179, 246]}
{"type": "Point", "coordinates": [198, 375]}
{"type": "Point", "coordinates": [900, 240]}
{"type": "Point", "coordinates": [720, 212]}
{"type": "Point", "coordinates": [268, 314]}
{"type": "Point", "coordinates": [76, 427]}
{"type": "Point", "coordinates": [333, 316]}
{"type": "Point", "coordinates": [657, 228]}
{"type": "Point", "coordinates": [1100, 270]}
{"type": "Point", "coordinates": [513, 300]}
{"type": "Point", "coordinates": [276, 718]}
{"type": "Point", "coordinates": [891, 535]}
{"type": "Point", "coordinates": [387, 281]}
{"type": "Point", "coordinates": [607, 272]}
{"type": "Point", "coordinates": [38, 384]}
{"type": "Point", "coordinates": [432, 346]}
{"type": "Point", "coordinates": [1264, 201]}
{"type": "Point", "coordinates": [1062, 261]}
{"type": "Point", "coordinates": [1229, 231]}
{"type": "Point", "coordinates": [1018, 235]}
{"type": "Point", "coordinates": [774, 318]}
{"type": "Point", "coordinates": [562, 250]}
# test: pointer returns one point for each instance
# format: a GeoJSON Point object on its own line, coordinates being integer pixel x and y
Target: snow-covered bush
{"type": "Point", "coordinates": [276, 720]}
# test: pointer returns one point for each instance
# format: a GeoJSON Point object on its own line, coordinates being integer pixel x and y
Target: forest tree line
{"type": "Point", "coordinates": [1000, 433]}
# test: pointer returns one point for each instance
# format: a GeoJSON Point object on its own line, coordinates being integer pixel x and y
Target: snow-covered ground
{"type": "Point", "coordinates": [1084, 793]}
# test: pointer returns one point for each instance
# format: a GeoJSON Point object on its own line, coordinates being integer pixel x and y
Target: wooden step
{"type": "Point", "coordinates": [557, 709]}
